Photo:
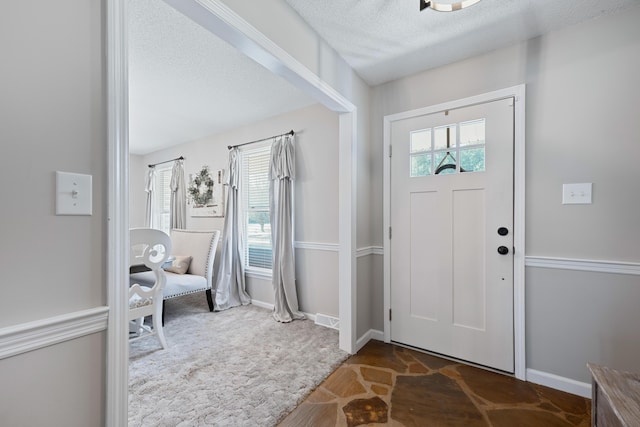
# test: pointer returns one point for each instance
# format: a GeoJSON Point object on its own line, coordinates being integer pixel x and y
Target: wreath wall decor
{"type": "Point", "coordinates": [207, 193]}
{"type": "Point", "coordinates": [201, 188]}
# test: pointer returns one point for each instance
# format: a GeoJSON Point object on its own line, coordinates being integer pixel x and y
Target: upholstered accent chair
{"type": "Point", "coordinates": [150, 248]}
{"type": "Point", "coordinates": [200, 247]}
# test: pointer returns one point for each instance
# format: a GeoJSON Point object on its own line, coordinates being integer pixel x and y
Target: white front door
{"type": "Point", "coordinates": [452, 233]}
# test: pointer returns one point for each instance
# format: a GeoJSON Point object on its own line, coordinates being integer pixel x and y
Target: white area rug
{"type": "Point", "coordinates": [237, 367]}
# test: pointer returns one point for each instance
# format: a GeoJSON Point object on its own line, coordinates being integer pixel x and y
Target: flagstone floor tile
{"type": "Point", "coordinates": [497, 388]}
{"type": "Point", "coordinates": [388, 385]}
{"type": "Point", "coordinates": [526, 418]}
{"type": "Point", "coordinates": [378, 354]}
{"type": "Point", "coordinates": [344, 383]}
{"type": "Point", "coordinates": [376, 375]}
{"type": "Point", "coordinates": [436, 398]}
{"type": "Point", "coordinates": [366, 411]}
{"type": "Point", "coordinates": [312, 415]}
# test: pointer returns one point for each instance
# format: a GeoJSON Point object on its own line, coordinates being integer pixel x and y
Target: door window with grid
{"type": "Point", "coordinates": [453, 148]}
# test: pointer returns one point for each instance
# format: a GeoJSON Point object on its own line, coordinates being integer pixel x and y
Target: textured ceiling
{"type": "Point", "coordinates": [387, 39]}
{"type": "Point", "coordinates": [186, 84]}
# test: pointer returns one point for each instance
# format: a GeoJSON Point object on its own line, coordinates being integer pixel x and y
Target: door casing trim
{"type": "Point", "coordinates": [518, 93]}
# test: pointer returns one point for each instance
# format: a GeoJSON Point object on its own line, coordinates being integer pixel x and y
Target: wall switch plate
{"type": "Point", "coordinates": [73, 194]}
{"type": "Point", "coordinates": [576, 194]}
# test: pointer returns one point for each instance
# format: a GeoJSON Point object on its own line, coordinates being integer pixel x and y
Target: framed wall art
{"type": "Point", "coordinates": [206, 193]}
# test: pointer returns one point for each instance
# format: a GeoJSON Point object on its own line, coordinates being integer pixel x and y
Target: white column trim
{"type": "Point", "coordinates": [369, 250]}
{"type": "Point", "coordinates": [596, 266]}
{"type": "Point", "coordinates": [24, 337]}
{"type": "Point", "coordinates": [117, 363]}
{"type": "Point", "coordinates": [386, 226]}
{"type": "Point", "coordinates": [519, 220]}
{"type": "Point", "coordinates": [366, 251]}
{"type": "Point", "coordinates": [518, 92]}
{"type": "Point", "coordinates": [335, 247]}
{"type": "Point", "coordinates": [331, 247]}
{"type": "Point", "coordinates": [347, 272]}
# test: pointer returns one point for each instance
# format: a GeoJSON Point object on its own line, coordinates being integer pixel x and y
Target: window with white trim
{"type": "Point", "coordinates": [254, 192]}
{"type": "Point", "coordinates": [161, 214]}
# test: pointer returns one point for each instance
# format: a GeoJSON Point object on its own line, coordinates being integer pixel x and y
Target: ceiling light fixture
{"type": "Point", "coordinates": [447, 6]}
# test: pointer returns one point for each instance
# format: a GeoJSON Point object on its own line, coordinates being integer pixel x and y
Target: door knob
{"type": "Point", "coordinates": [503, 250]}
{"type": "Point", "coordinates": [503, 231]}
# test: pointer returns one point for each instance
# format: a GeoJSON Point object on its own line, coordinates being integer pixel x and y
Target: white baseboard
{"type": "Point", "coordinates": [269, 306]}
{"type": "Point", "coordinates": [30, 336]}
{"type": "Point", "coordinates": [262, 304]}
{"type": "Point", "coordinates": [327, 321]}
{"type": "Point", "coordinates": [371, 334]}
{"type": "Point", "coordinates": [559, 383]}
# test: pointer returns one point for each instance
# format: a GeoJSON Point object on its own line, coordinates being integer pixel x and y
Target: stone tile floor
{"type": "Point", "coordinates": [390, 385]}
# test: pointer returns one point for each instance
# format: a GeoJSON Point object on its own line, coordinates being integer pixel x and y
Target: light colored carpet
{"type": "Point", "coordinates": [237, 367]}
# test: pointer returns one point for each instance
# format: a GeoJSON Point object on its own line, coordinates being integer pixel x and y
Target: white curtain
{"type": "Point", "coordinates": [149, 187]}
{"type": "Point", "coordinates": [178, 213]}
{"type": "Point", "coordinates": [281, 175]}
{"type": "Point", "coordinates": [230, 285]}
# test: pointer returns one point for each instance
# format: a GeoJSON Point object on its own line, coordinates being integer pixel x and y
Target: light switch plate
{"type": "Point", "coordinates": [576, 194]}
{"type": "Point", "coordinates": [73, 194]}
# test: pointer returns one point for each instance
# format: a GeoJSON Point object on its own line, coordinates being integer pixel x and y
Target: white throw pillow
{"type": "Point", "coordinates": [180, 265]}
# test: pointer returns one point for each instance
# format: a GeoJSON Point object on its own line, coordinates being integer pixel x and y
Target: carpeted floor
{"type": "Point", "coordinates": [237, 367]}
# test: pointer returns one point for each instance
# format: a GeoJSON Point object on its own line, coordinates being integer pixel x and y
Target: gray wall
{"type": "Point", "coordinates": [575, 317]}
{"type": "Point", "coordinates": [316, 197]}
{"type": "Point", "coordinates": [52, 117]}
{"type": "Point", "coordinates": [57, 386]}
{"type": "Point", "coordinates": [582, 94]}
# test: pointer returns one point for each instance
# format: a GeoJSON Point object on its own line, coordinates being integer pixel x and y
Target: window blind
{"type": "Point", "coordinates": [255, 186]}
{"type": "Point", "coordinates": [163, 199]}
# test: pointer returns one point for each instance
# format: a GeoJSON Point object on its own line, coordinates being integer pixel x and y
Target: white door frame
{"type": "Point", "coordinates": [216, 17]}
{"type": "Point", "coordinates": [518, 92]}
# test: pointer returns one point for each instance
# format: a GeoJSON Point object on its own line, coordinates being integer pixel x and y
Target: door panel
{"type": "Point", "coordinates": [469, 241]}
{"type": "Point", "coordinates": [451, 292]}
{"type": "Point", "coordinates": [421, 231]}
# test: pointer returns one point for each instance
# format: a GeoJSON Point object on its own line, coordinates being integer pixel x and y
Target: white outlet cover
{"type": "Point", "coordinates": [73, 194]}
{"type": "Point", "coordinates": [576, 194]}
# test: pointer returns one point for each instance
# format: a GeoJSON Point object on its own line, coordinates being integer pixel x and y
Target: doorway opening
{"type": "Point", "coordinates": [223, 22]}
